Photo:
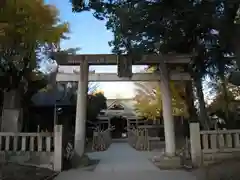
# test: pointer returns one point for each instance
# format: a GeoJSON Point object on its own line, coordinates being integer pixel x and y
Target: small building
{"type": "Point", "coordinates": [120, 107]}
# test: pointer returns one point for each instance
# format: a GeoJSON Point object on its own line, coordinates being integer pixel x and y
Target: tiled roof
{"type": "Point", "coordinates": [52, 97]}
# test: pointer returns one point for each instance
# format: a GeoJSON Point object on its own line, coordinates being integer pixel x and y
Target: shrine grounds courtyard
{"type": "Point", "coordinates": [122, 162]}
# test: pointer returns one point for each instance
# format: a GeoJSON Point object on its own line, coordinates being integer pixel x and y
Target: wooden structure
{"type": "Point", "coordinates": [101, 139]}
{"type": "Point", "coordinates": [140, 138]}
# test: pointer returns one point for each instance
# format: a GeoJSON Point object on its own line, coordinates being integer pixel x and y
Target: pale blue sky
{"type": "Point", "coordinates": [92, 37]}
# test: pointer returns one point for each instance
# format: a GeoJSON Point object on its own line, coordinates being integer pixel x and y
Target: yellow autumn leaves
{"type": "Point", "coordinates": [149, 101]}
{"type": "Point", "coordinates": [26, 24]}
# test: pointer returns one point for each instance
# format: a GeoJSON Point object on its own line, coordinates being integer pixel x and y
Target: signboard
{"type": "Point", "coordinates": [124, 66]}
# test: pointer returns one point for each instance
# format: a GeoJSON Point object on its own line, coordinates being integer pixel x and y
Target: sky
{"type": "Point", "coordinates": [92, 37]}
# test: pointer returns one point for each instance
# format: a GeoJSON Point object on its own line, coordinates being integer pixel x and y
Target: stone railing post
{"type": "Point", "coordinates": [57, 159]}
{"type": "Point", "coordinates": [195, 144]}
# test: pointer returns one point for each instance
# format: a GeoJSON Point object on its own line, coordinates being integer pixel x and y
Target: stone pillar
{"type": "Point", "coordinates": [81, 111]}
{"type": "Point", "coordinates": [57, 157]}
{"type": "Point", "coordinates": [12, 113]}
{"type": "Point", "coordinates": [195, 144]}
{"type": "Point", "coordinates": [170, 147]}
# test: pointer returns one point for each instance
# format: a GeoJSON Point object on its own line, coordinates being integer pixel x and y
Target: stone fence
{"type": "Point", "coordinates": [210, 146]}
{"type": "Point", "coordinates": [40, 149]}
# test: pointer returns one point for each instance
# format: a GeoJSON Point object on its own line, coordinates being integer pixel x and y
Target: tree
{"type": "Point", "coordinates": [148, 97]}
{"type": "Point", "coordinates": [96, 99]}
{"type": "Point", "coordinates": [96, 102]}
{"type": "Point", "coordinates": [138, 25]}
{"type": "Point", "coordinates": [218, 107]}
{"type": "Point", "coordinates": [29, 29]}
{"type": "Point", "coordinates": [149, 102]}
{"type": "Point", "coordinates": [181, 27]}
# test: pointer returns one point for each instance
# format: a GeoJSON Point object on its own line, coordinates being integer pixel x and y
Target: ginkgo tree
{"type": "Point", "coordinates": [149, 102]}
{"type": "Point", "coordinates": [29, 30]}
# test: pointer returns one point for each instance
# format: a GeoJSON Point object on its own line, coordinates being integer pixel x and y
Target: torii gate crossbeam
{"type": "Point", "coordinates": [107, 77]}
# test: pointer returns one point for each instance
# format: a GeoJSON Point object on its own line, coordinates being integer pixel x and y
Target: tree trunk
{"type": "Point", "coordinates": [203, 111]}
{"type": "Point", "coordinates": [189, 99]}
{"type": "Point", "coordinates": [225, 96]}
{"type": "Point", "coordinates": [236, 33]}
{"type": "Point", "coordinates": [12, 112]}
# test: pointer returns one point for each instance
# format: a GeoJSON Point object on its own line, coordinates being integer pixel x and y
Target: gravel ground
{"type": "Point", "coordinates": [12, 171]}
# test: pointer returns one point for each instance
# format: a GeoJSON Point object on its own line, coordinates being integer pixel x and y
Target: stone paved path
{"type": "Point", "coordinates": [121, 162]}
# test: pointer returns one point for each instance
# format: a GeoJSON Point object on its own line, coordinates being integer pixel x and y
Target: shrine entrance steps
{"type": "Point", "coordinates": [120, 162]}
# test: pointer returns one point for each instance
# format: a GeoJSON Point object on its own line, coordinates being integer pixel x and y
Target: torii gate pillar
{"type": "Point", "coordinates": [170, 147]}
{"type": "Point", "coordinates": [169, 159]}
{"type": "Point", "coordinates": [81, 109]}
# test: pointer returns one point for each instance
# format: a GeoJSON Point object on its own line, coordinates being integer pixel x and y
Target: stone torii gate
{"type": "Point", "coordinates": [124, 63]}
